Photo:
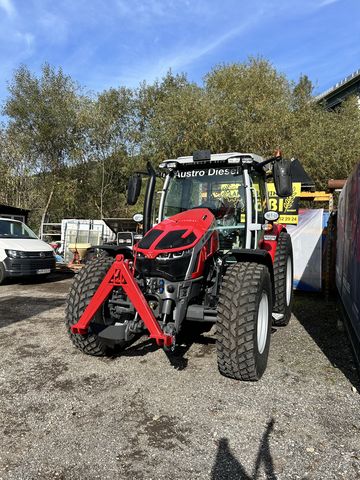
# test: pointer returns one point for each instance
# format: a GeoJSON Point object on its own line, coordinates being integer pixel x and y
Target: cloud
{"type": "Point", "coordinates": [176, 59]}
{"type": "Point", "coordinates": [8, 6]}
{"type": "Point", "coordinates": [324, 3]}
{"type": "Point", "coordinates": [149, 8]}
{"type": "Point", "coordinates": [27, 38]}
{"type": "Point", "coordinates": [201, 41]}
{"type": "Point", "coordinates": [54, 26]}
{"type": "Point", "coordinates": [103, 44]}
{"type": "Point", "coordinates": [194, 54]}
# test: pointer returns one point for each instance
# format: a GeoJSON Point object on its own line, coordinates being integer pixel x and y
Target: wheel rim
{"type": "Point", "coordinates": [262, 322]}
{"type": "Point", "coordinates": [288, 281]}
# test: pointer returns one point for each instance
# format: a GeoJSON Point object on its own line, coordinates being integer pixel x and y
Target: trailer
{"type": "Point", "coordinates": [348, 256]}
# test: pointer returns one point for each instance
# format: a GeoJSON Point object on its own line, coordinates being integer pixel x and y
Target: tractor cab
{"type": "Point", "coordinates": [231, 185]}
{"type": "Point", "coordinates": [222, 184]}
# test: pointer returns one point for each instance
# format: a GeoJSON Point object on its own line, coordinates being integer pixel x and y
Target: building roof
{"type": "Point", "coordinates": [8, 209]}
{"type": "Point", "coordinates": [337, 94]}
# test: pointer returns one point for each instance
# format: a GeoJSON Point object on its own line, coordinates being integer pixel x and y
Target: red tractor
{"type": "Point", "coordinates": [213, 254]}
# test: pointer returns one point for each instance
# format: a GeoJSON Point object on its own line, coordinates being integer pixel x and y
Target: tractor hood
{"type": "Point", "coordinates": [176, 234]}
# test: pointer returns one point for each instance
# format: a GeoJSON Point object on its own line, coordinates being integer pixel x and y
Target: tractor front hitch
{"type": "Point", "coordinates": [120, 275]}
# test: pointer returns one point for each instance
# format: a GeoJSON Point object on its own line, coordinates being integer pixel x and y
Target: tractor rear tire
{"type": "Point", "coordinates": [244, 321]}
{"type": "Point", "coordinates": [85, 284]}
{"type": "Point", "coordinates": [283, 278]}
{"type": "Point", "coordinates": [92, 253]}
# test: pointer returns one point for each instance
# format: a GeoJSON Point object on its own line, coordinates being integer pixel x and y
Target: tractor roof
{"type": "Point", "coordinates": [216, 157]}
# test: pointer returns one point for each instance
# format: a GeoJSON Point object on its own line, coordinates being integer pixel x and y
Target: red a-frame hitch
{"type": "Point", "coordinates": [120, 275]}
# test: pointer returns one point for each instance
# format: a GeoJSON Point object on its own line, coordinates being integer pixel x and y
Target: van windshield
{"type": "Point", "coordinates": [14, 229]}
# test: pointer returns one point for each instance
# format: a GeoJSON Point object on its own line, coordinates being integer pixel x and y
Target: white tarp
{"type": "Point", "coordinates": [307, 247]}
{"type": "Point", "coordinates": [93, 232]}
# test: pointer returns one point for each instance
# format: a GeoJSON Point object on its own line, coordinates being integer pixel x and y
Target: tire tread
{"type": "Point", "coordinates": [283, 250]}
{"type": "Point", "coordinates": [236, 321]}
{"type": "Point", "coordinates": [81, 291]}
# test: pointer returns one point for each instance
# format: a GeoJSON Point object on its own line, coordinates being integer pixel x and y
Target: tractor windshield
{"type": "Point", "coordinates": [221, 190]}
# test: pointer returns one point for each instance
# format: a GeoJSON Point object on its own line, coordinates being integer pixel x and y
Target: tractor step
{"type": "Point", "coordinates": [199, 313]}
{"type": "Point", "coordinates": [113, 333]}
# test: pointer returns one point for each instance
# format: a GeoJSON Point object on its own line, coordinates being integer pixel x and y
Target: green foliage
{"type": "Point", "coordinates": [43, 115]}
{"type": "Point", "coordinates": [173, 118]}
{"type": "Point", "coordinates": [67, 154]}
{"type": "Point", "coordinates": [326, 142]}
{"type": "Point", "coordinates": [111, 127]}
{"type": "Point", "coordinates": [250, 107]}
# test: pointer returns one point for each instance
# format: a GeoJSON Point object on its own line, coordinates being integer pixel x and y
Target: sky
{"type": "Point", "coordinates": [111, 43]}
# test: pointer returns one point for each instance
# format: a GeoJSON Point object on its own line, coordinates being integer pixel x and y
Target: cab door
{"type": "Point", "coordinates": [258, 206]}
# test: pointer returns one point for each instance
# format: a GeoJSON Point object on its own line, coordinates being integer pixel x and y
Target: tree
{"type": "Point", "coordinates": [70, 154]}
{"type": "Point", "coordinates": [250, 105]}
{"type": "Point", "coordinates": [111, 131]}
{"type": "Point", "coordinates": [172, 118]}
{"type": "Point", "coordinates": [302, 93]}
{"type": "Point", "coordinates": [43, 115]}
{"type": "Point", "coordinates": [326, 142]}
{"type": "Point", "coordinates": [15, 180]}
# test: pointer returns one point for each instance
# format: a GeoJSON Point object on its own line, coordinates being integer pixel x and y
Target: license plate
{"type": "Point", "coordinates": [43, 270]}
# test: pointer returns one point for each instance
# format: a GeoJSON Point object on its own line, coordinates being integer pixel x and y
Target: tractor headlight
{"type": "Point", "coordinates": [164, 256]}
{"type": "Point", "coordinates": [171, 255]}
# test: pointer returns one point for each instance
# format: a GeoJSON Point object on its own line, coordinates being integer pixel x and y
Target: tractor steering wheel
{"type": "Point", "coordinates": [215, 207]}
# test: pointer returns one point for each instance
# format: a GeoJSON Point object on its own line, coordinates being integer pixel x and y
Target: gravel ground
{"type": "Point", "coordinates": [65, 415]}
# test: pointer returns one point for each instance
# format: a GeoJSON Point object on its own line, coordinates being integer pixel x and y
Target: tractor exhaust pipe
{"type": "Point", "coordinates": [149, 197]}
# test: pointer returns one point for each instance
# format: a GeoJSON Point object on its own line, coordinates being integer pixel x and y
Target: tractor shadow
{"type": "Point", "coordinates": [191, 333]}
{"type": "Point", "coordinates": [227, 466]}
{"type": "Point", "coordinates": [321, 320]}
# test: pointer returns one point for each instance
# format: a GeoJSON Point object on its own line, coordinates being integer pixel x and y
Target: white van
{"type": "Point", "coordinates": [21, 252]}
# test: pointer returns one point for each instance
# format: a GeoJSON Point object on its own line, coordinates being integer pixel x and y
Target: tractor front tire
{"type": "Point", "coordinates": [283, 278]}
{"type": "Point", "coordinates": [244, 321]}
{"type": "Point", "coordinates": [85, 284]}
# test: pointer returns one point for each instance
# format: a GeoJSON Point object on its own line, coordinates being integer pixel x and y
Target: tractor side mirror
{"type": "Point", "coordinates": [282, 178]}
{"type": "Point", "coordinates": [134, 188]}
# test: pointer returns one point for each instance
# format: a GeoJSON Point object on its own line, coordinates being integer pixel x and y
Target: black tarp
{"type": "Point", "coordinates": [121, 224]}
{"type": "Point", "coordinates": [299, 175]}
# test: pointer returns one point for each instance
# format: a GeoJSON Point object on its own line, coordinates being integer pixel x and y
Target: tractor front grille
{"type": "Point", "coordinates": [173, 269]}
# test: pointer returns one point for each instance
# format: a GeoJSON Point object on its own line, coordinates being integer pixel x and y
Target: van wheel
{"type": "Point", "coordinates": [2, 274]}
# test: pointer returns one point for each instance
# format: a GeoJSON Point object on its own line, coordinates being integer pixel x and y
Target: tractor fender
{"type": "Point", "coordinates": [259, 256]}
{"type": "Point", "coordinates": [270, 241]}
